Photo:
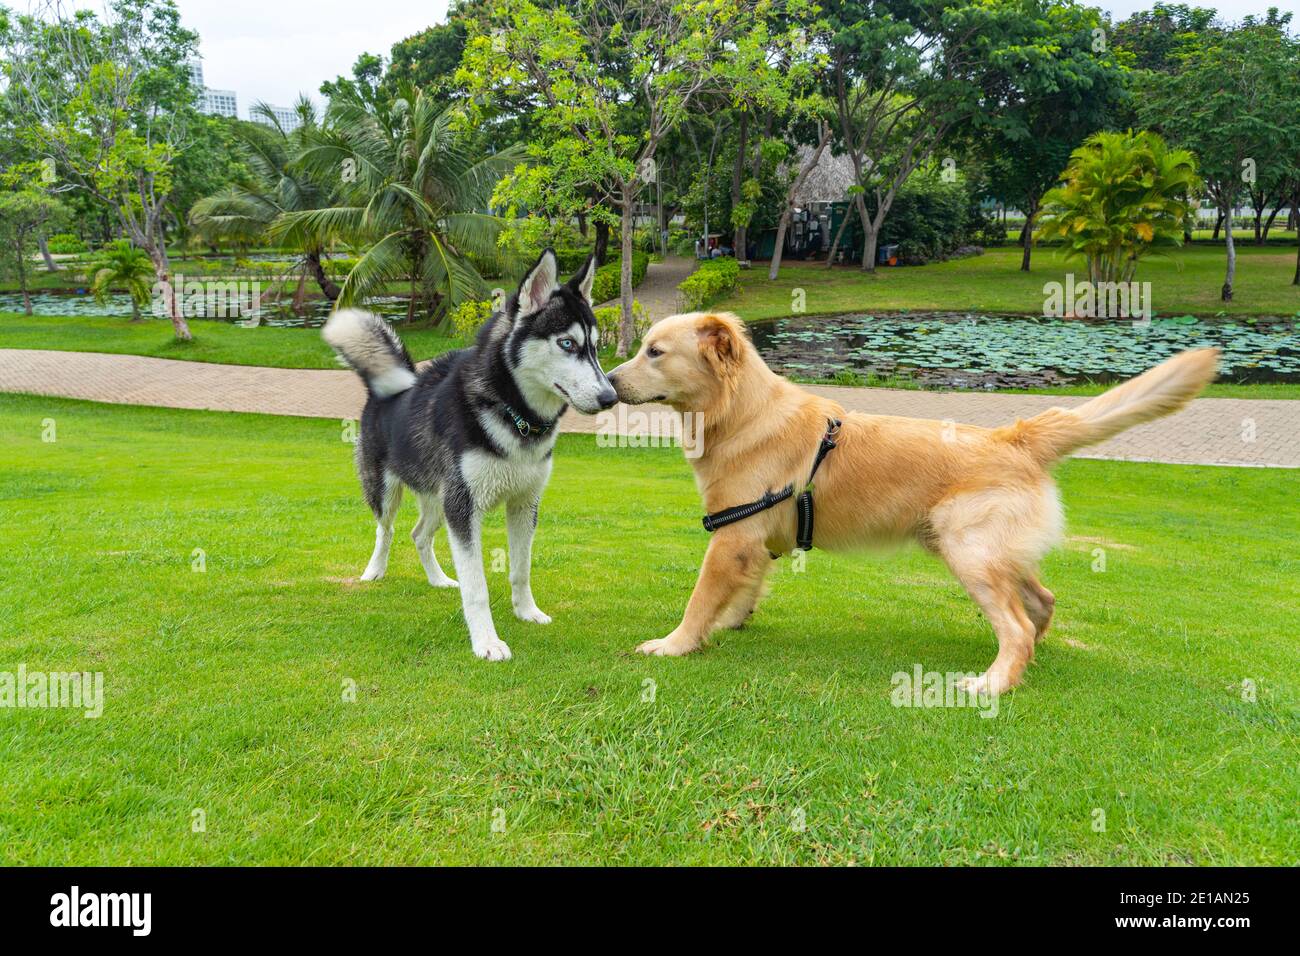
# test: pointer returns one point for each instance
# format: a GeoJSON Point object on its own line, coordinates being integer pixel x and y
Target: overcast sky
{"type": "Point", "coordinates": [273, 49]}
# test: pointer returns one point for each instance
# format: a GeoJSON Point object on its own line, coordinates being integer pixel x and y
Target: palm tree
{"type": "Point", "coordinates": [412, 188]}
{"type": "Point", "coordinates": [1123, 196]}
{"type": "Point", "coordinates": [122, 264]}
{"type": "Point", "coordinates": [245, 212]}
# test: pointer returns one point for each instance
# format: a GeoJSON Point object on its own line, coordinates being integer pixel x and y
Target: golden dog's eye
{"type": "Point", "coordinates": [653, 352]}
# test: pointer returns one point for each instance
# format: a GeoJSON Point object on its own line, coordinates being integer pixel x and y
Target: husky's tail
{"type": "Point", "coordinates": [1156, 392]}
{"type": "Point", "coordinates": [370, 348]}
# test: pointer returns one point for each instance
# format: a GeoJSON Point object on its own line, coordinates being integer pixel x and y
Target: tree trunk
{"type": "Point", "coordinates": [1028, 236]}
{"type": "Point", "coordinates": [869, 236]}
{"type": "Point", "coordinates": [839, 233]}
{"type": "Point", "coordinates": [327, 285]}
{"type": "Point", "coordinates": [738, 237]}
{"type": "Point", "coordinates": [602, 242]}
{"type": "Point", "coordinates": [45, 254]}
{"type": "Point", "coordinates": [582, 224]}
{"type": "Point", "coordinates": [1232, 258]}
{"type": "Point", "coordinates": [626, 330]}
{"type": "Point", "coordinates": [1295, 213]}
{"type": "Point", "coordinates": [22, 280]}
{"type": "Point", "coordinates": [135, 309]}
{"type": "Point", "coordinates": [804, 172]}
{"type": "Point", "coordinates": [162, 275]}
{"type": "Point", "coordinates": [1218, 224]}
{"type": "Point", "coordinates": [1268, 223]}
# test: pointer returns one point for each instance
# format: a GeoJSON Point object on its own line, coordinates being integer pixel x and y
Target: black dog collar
{"type": "Point", "coordinates": [770, 499]}
{"type": "Point", "coordinates": [525, 427]}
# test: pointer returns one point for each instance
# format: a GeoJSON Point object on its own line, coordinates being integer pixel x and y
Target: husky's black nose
{"type": "Point", "coordinates": [607, 398]}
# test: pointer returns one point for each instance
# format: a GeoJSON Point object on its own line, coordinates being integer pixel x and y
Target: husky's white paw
{"type": "Point", "coordinates": [533, 615]}
{"type": "Point", "coordinates": [442, 581]}
{"type": "Point", "coordinates": [493, 649]}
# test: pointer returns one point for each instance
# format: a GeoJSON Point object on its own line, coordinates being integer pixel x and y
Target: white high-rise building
{"type": "Point", "coordinates": [288, 119]}
{"type": "Point", "coordinates": [213, 102]}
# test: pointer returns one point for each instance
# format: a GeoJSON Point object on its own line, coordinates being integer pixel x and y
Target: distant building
{"type": "Point", "coordinates": [288, 119]}
{"type": "Point", "coordinates": [218, 102]}
{"type": "Point", "coordinates": [210, 101]}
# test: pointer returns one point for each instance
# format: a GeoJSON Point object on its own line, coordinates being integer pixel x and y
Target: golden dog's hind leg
{"type": "Point", "coordinates": [996, 591]}
{"type": "Point", "coordinates": [1039, 604]}
{"type": "Point", "coordinates": [733, 565]}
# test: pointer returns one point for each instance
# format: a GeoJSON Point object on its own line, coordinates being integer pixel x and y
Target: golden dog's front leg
{"type": "Point", "coordinates": [733, 563]}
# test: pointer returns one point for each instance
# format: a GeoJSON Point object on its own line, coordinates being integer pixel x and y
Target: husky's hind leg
{"type": "Point", "coordinates": [385, 502]}
{"type": "Point", "coordinates": [422, 534]}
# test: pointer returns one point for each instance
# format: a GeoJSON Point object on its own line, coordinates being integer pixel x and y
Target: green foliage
{"type": "Point", "coordinates": [930, 218]}
{"type": "Point", "coordinates": [605, 285]}
{"type": "Point", "coordinates": [712, 279]}
{"type": "Point", "coordinates": [609, 318]}
{"type": "Point", "coordinates": [1124, 195]}
{"type": "Point", "coordinates": [464, 320]}
{"type": "Point", "coordinates": [122, 265]}
{"type": "Point", "coordinates": [65, 244]}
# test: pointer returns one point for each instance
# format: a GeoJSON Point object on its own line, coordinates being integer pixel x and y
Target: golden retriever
{"type": "Point", "coordinates": [981, 499]}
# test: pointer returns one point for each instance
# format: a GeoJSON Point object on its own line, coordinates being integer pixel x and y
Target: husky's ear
{"type": "Point", "coordinates": [722, 341]}
{"type": "Point", "coordinates": [538, 284]}
{"type": "Point", "coordinates": [584, 278]}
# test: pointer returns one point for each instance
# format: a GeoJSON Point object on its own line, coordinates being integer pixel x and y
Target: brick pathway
{"type": "Point", "coordinates": [1211, 431]}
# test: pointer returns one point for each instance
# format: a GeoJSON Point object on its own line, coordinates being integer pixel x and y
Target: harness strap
{"type": "Point", "coordinates": [770, 499]}
{"type": "Point", "coordinates": [804, 504]}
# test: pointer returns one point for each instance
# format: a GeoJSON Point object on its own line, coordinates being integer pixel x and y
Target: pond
{"type": "Point", "coordinates": [275, 314]}
{"type": "Point", "coordinates": [971, 350]}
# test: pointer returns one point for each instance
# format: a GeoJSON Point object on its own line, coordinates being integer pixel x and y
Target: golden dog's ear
{"type": "Point", "coordinates": [721, 338]}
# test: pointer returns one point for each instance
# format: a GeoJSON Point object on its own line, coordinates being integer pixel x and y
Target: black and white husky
{"type": "Point", "coordinates": [473, 430]}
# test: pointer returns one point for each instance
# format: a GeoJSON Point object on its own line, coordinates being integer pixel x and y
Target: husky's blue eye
{"type": "Point", "coordinates": [566, 344]}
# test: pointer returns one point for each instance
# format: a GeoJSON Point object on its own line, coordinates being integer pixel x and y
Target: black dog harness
{"type": "Point", "coordinates": [770, 499]}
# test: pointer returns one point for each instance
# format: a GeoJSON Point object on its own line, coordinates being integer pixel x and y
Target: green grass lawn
{"type": "Point", "coordinates": [214, 341]}
{"type": "Point", "coordinates": [1187, 282]}
{"type": "Point", "coordinates": [224, 689]}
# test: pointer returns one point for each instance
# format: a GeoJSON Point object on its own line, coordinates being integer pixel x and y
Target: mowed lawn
{"type": "Point", "coordinates": [1188, 281]}
{"type": "Point", "coordinates": [1131, 742]}
{"type": "Point", "coordinates": [224, 343]}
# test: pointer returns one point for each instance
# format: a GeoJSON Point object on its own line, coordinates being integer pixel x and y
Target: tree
{"type": "Point", "coordinates": [23, 215]}
{"type": "Point", "coordinates": [121, 264]}
{"type": "Point", "coordinates": [409, 186]}
{"type": "Point", "coordinates": [608, 80]}
{"type": "Point", "coordinates": [276, 184]}
{"type": "Point", "coordinates": [1040, 100]}
{"type": "Point", "coordinates": [903, 74]}
{"type": "Point", "coordinates": [1124, 196]}
{"type": "Point", "coordinates": [110, 100]}
{"type": "Point", "coordinates": [1232, 99]}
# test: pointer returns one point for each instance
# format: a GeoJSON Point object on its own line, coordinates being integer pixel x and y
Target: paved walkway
{"type": "Point", "coordinates": [657, 292]}
{"type": "Point", "coordinates": [1215, 431]}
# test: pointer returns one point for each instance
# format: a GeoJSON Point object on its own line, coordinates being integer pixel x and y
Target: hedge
{"type": "Point", "coordinates": [607, 283]}
{"type": "Point", "coordinates": [711, 280]}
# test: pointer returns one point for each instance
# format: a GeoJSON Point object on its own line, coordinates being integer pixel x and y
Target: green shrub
{"type": "Point", "coordinates": [929, 219]}
{"type": "Point", "coordinates": [468, 317]}
{"type": "Point", "coordinates": [607, 282]}
{"type": "Point", "coordinates": [65, 244]}
{"type": "Point", "coordinates": [712, 279]}
{"type": "Point", "coordinates": [608, 319]}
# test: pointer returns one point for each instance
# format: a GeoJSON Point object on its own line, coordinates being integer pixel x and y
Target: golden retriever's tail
{"type": "Point", "coordinates": [1156, 392]}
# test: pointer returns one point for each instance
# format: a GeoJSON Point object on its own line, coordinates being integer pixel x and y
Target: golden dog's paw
{"type": "Point", "coordinates": [664, 647]}
{"type": "Point", "coordinates": [988, 684]}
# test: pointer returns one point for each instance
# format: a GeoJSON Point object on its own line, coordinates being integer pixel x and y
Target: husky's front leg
{"type": "Point", "coordinates": [465, 530]}
{"type": "Point", "coordinates": [734, 564]}
{"type": "Point", "coordinates": [521, 523]}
